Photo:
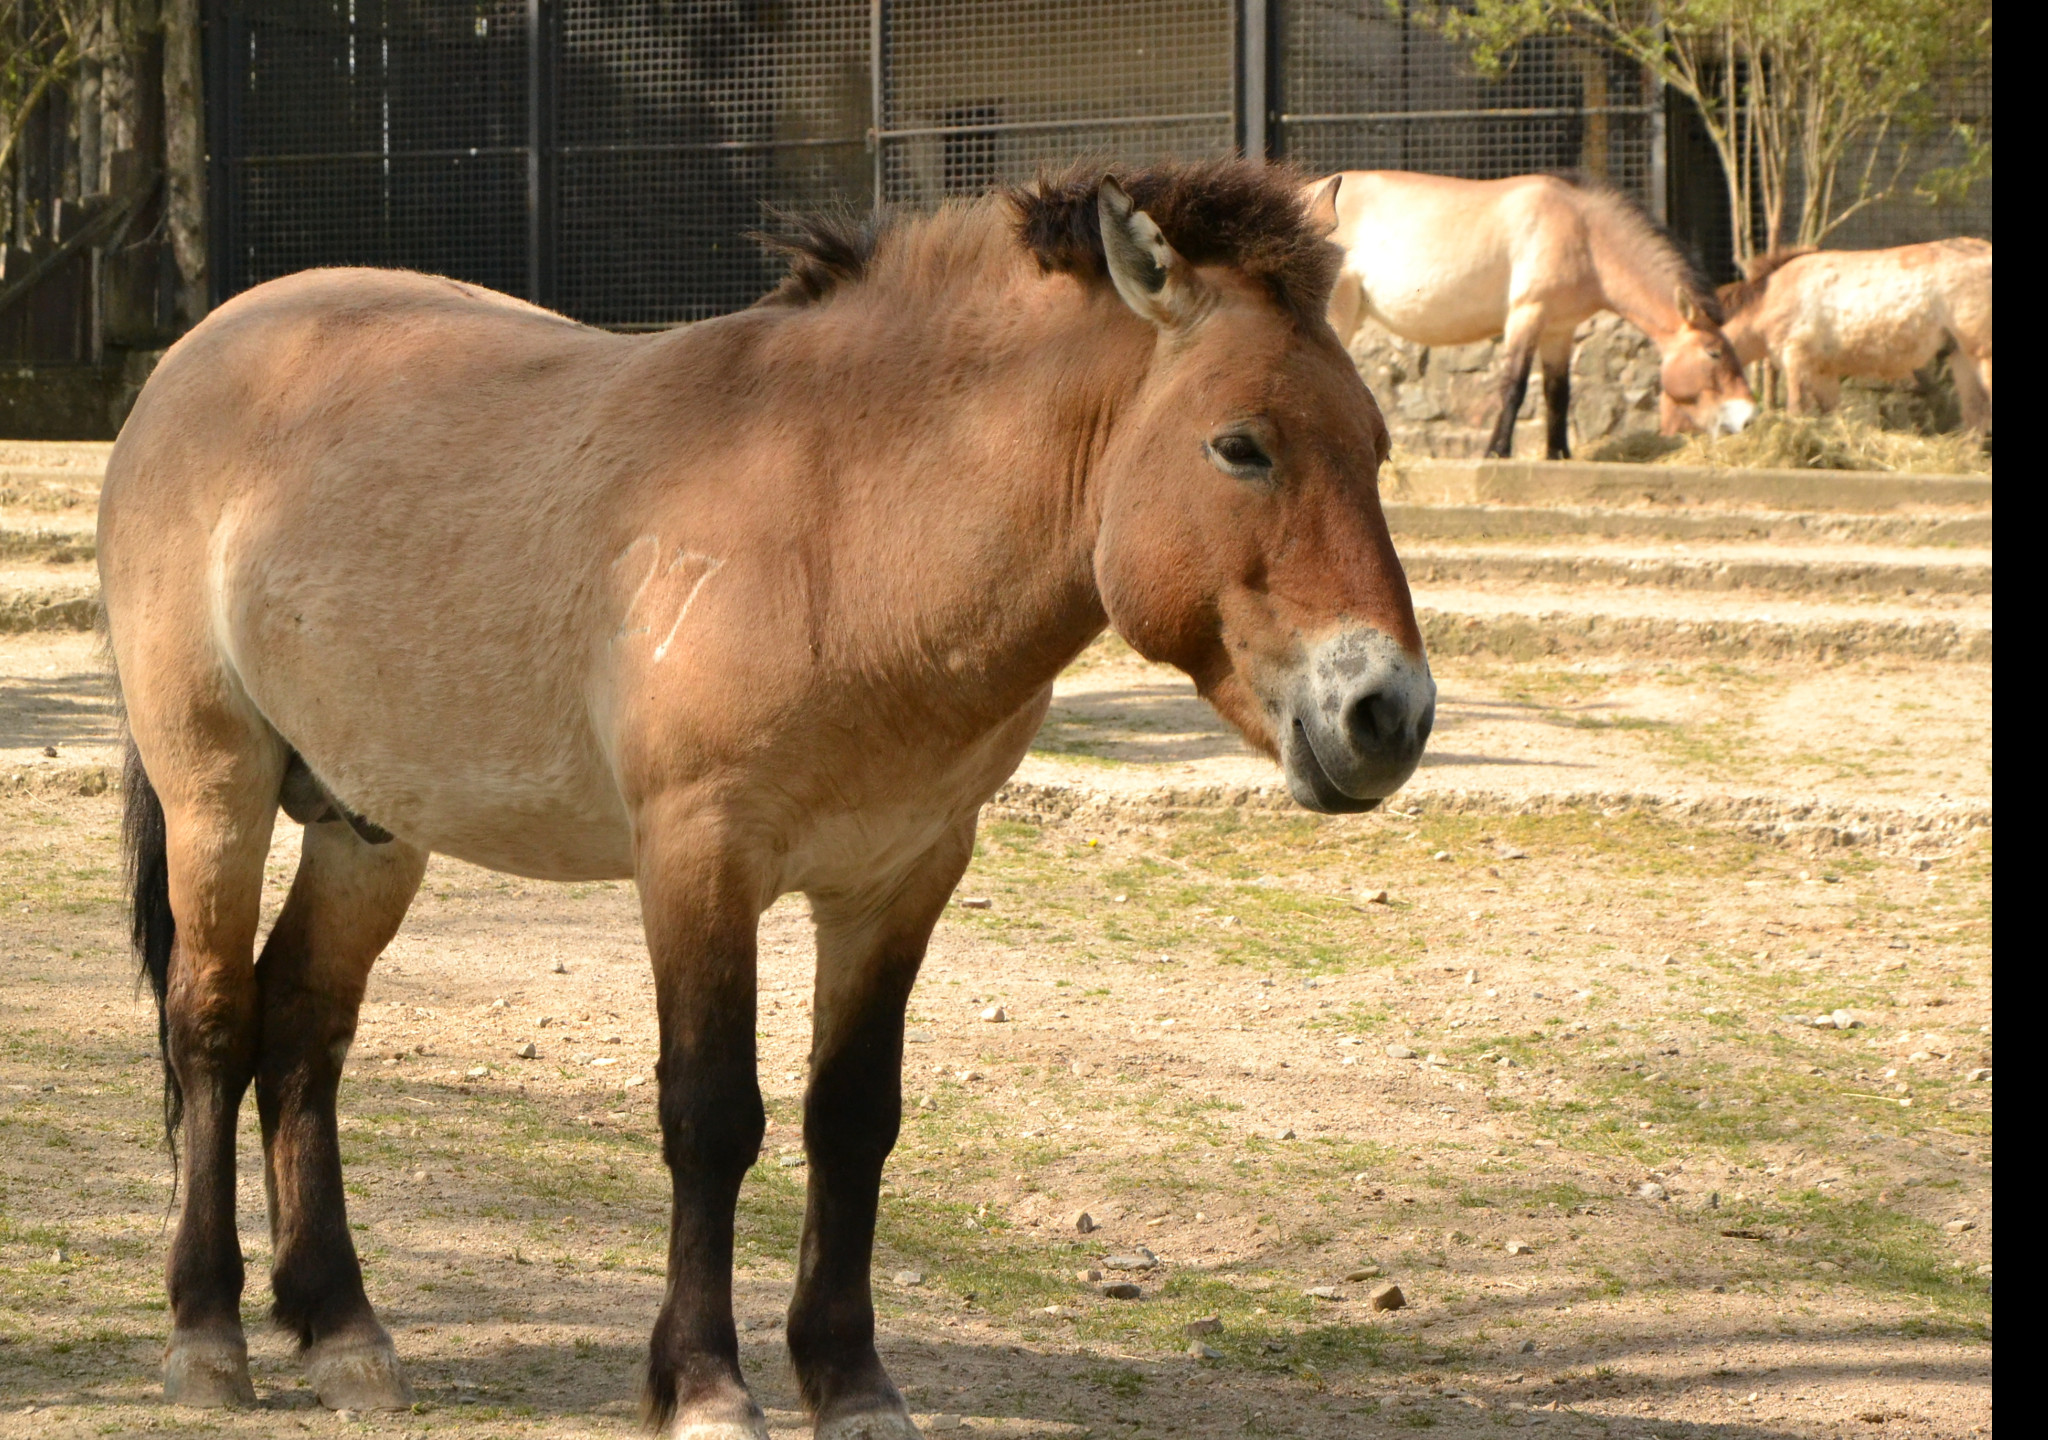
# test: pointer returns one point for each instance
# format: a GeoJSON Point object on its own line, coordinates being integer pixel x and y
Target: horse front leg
{"type": "Point", "coordinates": [869, 948]}
{"type": "Point", "coordinates": [1523, 327]}
{"type": "Point", "coordinates": [346, 903]}
{"type": "Point", "coordinates": [701, 912]}
{"type": "Point", "coordinates": [1557, 395]}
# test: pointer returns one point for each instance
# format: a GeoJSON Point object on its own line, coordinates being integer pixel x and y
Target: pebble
{"type": "Point", "coordinates": [910, 1277]}
{"type": "Point", "coordinates": [1375, 897]}
{"type": "Point", "coordinates": [1088, 1277]}
{"type": "Point", "coordinates": [528, 1051]}
{"type": "Point", "coordinates": [1198, 1351]}
{"type": "Point", "coordinates": [917, 1037]}
{"type": "Point", "coordinates": [1400, 1052]}
{"type": "Point", "coordinates": [1845, 1021]}
{"type": "Point", "coordinates": [561, 968]}
{"type": "Point", "coordinates": [499, 1003]}
{"type": "Point", "coordinates": [346, 1417]}
{"type": "Point", "coordinates": [1142, 1260]}
{"type": "Point", "coordinates": [1441, 855]}
{"type": "Point", "coordinates": [1363, 1272]}
{"type": "Point", "coordinates": [1084, 1223]}
{"type": "Point", "coordinates": [1388, 1297]}
{"type": "Point", "coordinates": [1122, 1290]}
{"type": "Point", "coordinates": [1061, 1312]}
{"type": "Point", "coordinates": [1322, 1292]}
{"type": "Point", "coordinates": [1207, 1325]}
{"type": "Point", "coordinates": [1519, 1247]}
{"type": "Point", "coordinates": [1286, 1134]}
{"type": "Point", "coordinates": [995, 1015]}
{"type": "Point", "coordinates": [1957, 1227]}
{"type": "Point", "coordinates": [59, 1255]}
{"type": "Point", "coordinates": [976, 902]}
{"type": "Point", "coordinates": [1977, 1075]}
{"type": "Point", "coordinates": [1527, 1347]}
{"type": "Point", "coordinates": [477, 1072]}
{"type": "Point", "coordinates": [792, 1159]}
{"type": "Point", "coordinates": [1651, 1190]}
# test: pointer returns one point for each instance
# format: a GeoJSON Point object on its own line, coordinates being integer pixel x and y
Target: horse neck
{"type": "Point", "coordinates": [988, 542]}
{"type": "Point", "coordinates": [1636, 281]}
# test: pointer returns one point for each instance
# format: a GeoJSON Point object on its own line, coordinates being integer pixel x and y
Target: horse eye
{"type": "Point", "coordinates": [1239, 455]}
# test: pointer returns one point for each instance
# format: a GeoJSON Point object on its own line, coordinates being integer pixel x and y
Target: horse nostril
{"type": "Point", "coordinates": [1375, 720]}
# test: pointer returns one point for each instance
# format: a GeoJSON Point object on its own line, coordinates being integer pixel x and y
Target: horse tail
{"type": "Point", "coordinates": [151, 925]}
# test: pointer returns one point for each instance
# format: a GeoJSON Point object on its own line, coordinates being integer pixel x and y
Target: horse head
{"type": "Point", "coordinates": [1240, 536]}
{"type": "Point", "coordinates": [1704, 387]}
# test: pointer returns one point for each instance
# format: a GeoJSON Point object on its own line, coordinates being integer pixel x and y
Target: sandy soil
{"type": "Point", "coordinates": [1204, 1048]}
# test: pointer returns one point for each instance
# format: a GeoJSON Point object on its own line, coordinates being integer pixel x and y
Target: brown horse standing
{"type": "Point", "coordinates": [771, 603]}
{"type": "Point", "coordinates": [1442, 261]}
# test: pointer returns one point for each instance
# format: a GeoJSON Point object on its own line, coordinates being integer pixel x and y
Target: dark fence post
{"type": "Point", "coordinates": [221, 46]}
{"type": "Point", "coordinates": [540, 136]}
{"type": "Point", "coordinates": [878, 94]}
{"type": "Point", "coordinates": [1254, 78]}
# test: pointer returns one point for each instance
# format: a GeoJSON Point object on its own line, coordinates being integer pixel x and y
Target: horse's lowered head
{"type": "Point", "coordinates": [1239, 534]}
{"type": "Point", "coordinates": [1704, 387]}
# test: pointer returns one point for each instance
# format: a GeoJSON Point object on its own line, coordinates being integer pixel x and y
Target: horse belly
{"type": "Point", "coordinates": [1450, 299]}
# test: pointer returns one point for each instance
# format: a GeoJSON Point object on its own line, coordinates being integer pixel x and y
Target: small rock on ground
{"type": "Point", "coordinates": [1519, 1247]}
{"type": "Point", "coordinates": [1084, 1223]}
{"type": "Point", "coordinates": [1388, 1297]}
{"type": "Point", "coordinates": [1206, 1325]}
{"type": "Point", "coordinates": [1122, 1290]}
{"type": "Point", "coordinates": [1198, 1351]}
{"type": "Point", "coordinates": [1400, 1052]}
{"type": "Point", "coordinates": [910, 1277]}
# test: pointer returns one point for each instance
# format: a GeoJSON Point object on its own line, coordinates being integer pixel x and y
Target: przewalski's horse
{"type": "Point", "coordinates": [1441, 261]}
{"type": "Point", "coordinates": [770, 603]}
{"type": "Point", "coordinates": [1822, 315]}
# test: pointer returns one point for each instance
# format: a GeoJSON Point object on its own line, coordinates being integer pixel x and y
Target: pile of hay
{"type": "Point", "coordinates": [1781, 441]}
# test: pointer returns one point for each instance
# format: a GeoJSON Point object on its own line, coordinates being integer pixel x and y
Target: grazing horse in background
{"type": "Point", "coordinates": [766, 604]}
{"type": "Point", "coordinates": [1441, 261]}
{"type": "Point", "coordinates": [1822, 315]}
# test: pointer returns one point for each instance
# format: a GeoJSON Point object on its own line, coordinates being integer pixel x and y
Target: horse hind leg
{"type": "Point", "coordinates": [1973, 388]}
{"type": "Point", "coordinates": [198, 833]}
{"type": "Point", "coordinates": [345, 904]}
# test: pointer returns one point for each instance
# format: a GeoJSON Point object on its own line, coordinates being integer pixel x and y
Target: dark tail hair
{"type": "Point", "coordinates": [151, 924]}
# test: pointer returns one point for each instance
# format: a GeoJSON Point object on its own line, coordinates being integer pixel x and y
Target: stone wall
{"type": "Point", "coordinates": [1442, 401]}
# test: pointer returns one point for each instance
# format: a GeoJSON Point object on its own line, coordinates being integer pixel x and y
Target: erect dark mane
{"type": "Point", "coordinates": [1737, 296]}
{"type": "Point", "coordinates": [826, 250]}
{"type": "Point", "coordinates": [1241, 213]}
{"type": "Point", "coordinates": [1214, 212]}
{"type": "Point", "coordinates": [1627, 211]}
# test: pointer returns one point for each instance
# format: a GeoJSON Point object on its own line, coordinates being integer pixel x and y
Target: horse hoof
{"type": "Point", "coordinates": [684, 1429]}
{"type": "Point", "coordinates": [209, 1371]}
{"type": "Point", "coordinates": [889, 1424]}
{"type": "Point", "coordinates": [357, 1372]}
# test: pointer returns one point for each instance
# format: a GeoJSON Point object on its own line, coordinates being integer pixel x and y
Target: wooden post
{"type": "Point", "coordinates": [185, 157]}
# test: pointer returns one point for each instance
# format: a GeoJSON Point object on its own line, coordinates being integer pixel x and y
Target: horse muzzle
{"type": "Point", "coordinates": [1733, 416]}
{"type": "Point", "coordinates": [1356, 722]}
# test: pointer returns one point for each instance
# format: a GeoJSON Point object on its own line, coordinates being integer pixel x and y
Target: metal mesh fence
{"type": "Point", "coordinates": [978, 94]}
{"type": "Point", "coordinates": [1366, 85]}
{"type": "Point", "coordinates": [608, 156]}
{"type": "Point", "coordinates": [675, 125]}
{"type": "Point", "coordinates": [373, 132]}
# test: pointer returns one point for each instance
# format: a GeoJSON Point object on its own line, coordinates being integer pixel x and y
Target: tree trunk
{"type": "Point", "coordinates": [185, 158]}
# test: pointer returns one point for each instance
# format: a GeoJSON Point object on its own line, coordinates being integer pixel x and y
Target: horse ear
{"type": "Point", "coordinates": [1140, 261]}
{"type": "Point", "coordinates": [1322, 210]}
{"type": "Point", "coordinates": [1688, 309]}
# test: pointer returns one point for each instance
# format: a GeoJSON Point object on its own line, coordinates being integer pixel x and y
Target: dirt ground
{"type": "Point", "coordinates": [1220, 1041]}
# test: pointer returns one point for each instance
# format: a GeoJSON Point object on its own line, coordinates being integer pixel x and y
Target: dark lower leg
{"type": "Point", "coordinates": [212, 1044]}
{"type": "Point", "coordinates": [1557, 411]}
{"type": "Point", "coordinates": [868, 957]}
{"type": "Point", "coordinates": [711, 1122]}
{"type": "Point", "coordinates": [346, 903]}
{"type": "Point", "coordinates": [1514, 389]}
{"type": "Point", "coordinates": [851, 1116]}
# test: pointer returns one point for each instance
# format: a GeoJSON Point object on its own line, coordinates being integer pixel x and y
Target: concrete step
{"type": "Point", "coordinates": [1605, 484]}
{"type": "Point", "coordinates": [48, 599]}
{"type": "Point", "coordinates": [1417, 521]}
{"type": "Point", "coordinates": [1819, 571]}
{"type": "Point", "coordinates": [1536, 621]}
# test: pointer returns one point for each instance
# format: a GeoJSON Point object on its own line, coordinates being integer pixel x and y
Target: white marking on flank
{"type": "Point", "coordinates": [653, 546]}
{"type": "Point", "coordinates": [709, 566]}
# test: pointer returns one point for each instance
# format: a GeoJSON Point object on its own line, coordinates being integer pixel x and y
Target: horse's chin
{"type": "Point", "coordinates": [1310, 784]}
